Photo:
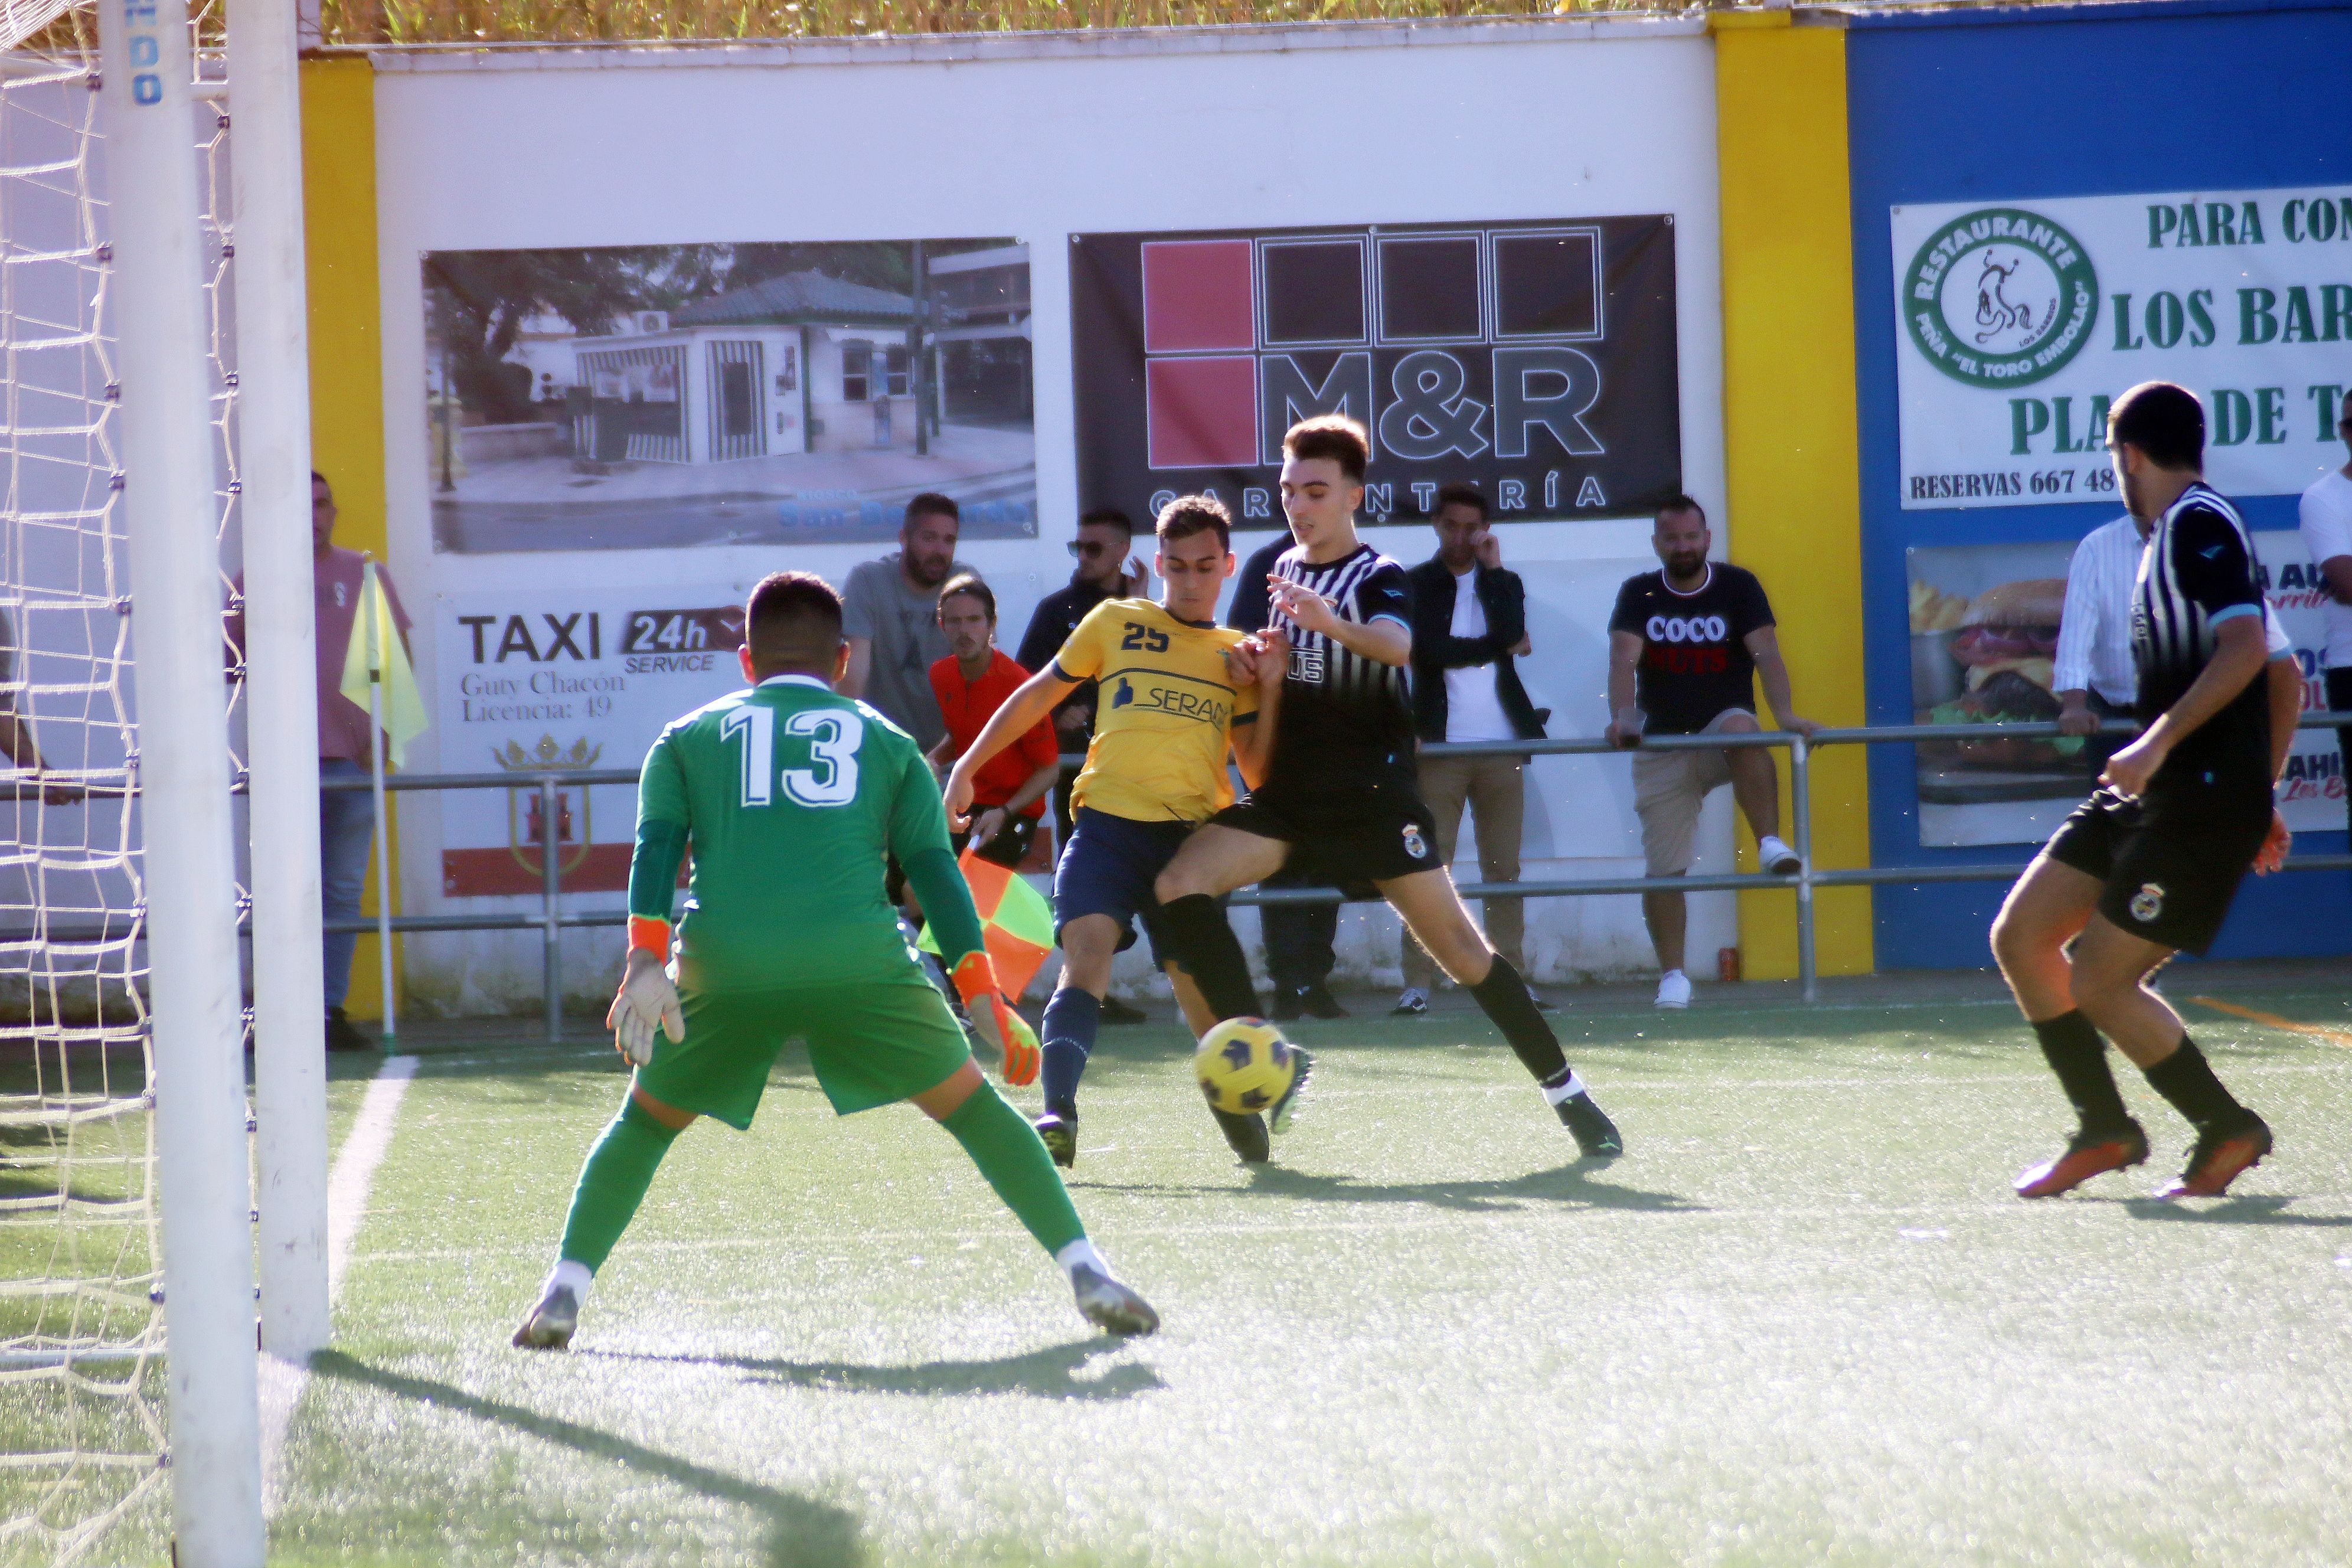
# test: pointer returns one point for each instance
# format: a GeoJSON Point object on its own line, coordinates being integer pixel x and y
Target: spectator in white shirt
{"type": "Point", "coordinates": [2094, 675]}
{"type": "Point", "coordinates": [2327, 534]}
{"type": "Point", "coordinates": [1469, 623]}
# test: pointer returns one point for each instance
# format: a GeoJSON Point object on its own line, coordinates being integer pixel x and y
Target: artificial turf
{"type": "Point", "coordinates": [1803, 1321]}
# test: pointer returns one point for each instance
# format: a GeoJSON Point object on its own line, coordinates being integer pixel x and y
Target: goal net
{"type": "Point", "coordinates": [83, 1454]}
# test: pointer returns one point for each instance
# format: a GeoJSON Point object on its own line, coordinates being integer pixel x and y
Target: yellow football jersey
{"type": "Point", "coordinates": [1164, 712]}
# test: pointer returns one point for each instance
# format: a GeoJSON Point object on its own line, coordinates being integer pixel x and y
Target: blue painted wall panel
{"type": "Point", "coordinates": [1987, 106]}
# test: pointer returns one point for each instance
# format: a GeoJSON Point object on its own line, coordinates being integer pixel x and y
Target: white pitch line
{"type": "Point", "coordinates": [347, 1198]}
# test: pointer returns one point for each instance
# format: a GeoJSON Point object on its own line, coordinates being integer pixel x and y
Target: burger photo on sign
{"type": "Point", "coordinates": [2005, 646]}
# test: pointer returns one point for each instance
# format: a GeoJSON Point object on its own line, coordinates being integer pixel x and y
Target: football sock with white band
{"type": "Point", "coordinates": [1071, 1018]}
{"type": "Point", "coordinates": [1081, 1254]}
{"type": "Point", "coordinates": [1006, 1148]}
{"type": "Point", "coordinates": [1504, 998]}
{"type": "Point", "coordinates": [612, 1183]}
{"type": "Point", "coordinates": [1562, 1086]}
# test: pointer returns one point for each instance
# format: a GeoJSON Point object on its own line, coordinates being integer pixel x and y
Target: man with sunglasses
{"type": "Point", "coordinates": [1108, 568]}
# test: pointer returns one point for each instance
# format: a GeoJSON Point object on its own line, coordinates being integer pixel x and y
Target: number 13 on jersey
{"type": "Point", "coordinates": [832, 737]}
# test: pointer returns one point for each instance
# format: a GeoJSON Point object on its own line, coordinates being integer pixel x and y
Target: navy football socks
{"type": "Point", "coordinates": [1071, 1018]}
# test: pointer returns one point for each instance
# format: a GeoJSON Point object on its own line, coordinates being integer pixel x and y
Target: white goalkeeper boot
{"type": "Point", "coordinates": [551, 1322]}
{"type": "Point", "coordinates": [1102, 1300]}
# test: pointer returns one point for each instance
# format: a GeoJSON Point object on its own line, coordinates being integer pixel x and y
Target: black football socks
{"type": "Point", "coordinates": [2185, 1078]}
{"type": "Point", "coordinates": [1504, 998]}
{"type": "Point", "coordinates": [1070, 1020]}
{"type": "Point", "coordinates": [2078, 1056]}
{"type": "Point", "coordinates": [1205, 945]}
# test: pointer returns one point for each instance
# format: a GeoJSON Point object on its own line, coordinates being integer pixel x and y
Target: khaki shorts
{"type": "Point", "coordinates": [1668, 789]}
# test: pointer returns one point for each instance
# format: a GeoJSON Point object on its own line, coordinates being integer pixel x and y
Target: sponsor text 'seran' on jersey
{"type": "Point", "coordinates": [1343, 715]}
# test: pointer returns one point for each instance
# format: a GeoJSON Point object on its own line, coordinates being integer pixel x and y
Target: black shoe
{"type": "Point", "coordinates": [1058, 1130]}
{"type": "Point", "coordinates": [1114, 1011]}
{"type": "Point", "coordinates": [1596, 1135]}
{"type": "Point", "coordinates": [1246, 1133]}
{"type": "Point", "coordinates": [1278, 1119]}
{"type": "Point", "coordinates": [343, 1036]}
{"type": "Point", "coordinates": [1317, 1002]}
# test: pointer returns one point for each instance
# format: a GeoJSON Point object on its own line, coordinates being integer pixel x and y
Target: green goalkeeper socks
{"type": "Point", "coordinates": [614, 1182]}
{"type": "Point", "coordinates": [1008, 1153]}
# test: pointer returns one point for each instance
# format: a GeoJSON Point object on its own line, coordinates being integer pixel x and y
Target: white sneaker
{"type": "Point", "coordinates": [1673, 989]}
{"type": "Point", "coordinates": [1412, 1004]}
{"type": "Point", "coordinates": [1772, 852]}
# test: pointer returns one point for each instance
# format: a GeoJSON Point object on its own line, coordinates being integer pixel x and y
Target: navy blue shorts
{"type": "Point", "coordinates": [1109, 867]}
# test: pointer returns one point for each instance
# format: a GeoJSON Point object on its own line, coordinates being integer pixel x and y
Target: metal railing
{"type": "Point", "coordinates": [551, 920]}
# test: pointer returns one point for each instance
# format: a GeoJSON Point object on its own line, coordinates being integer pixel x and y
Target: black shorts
{"type": "Point", "coordinates": [1372, 832]}
{"type": "Point", "coordinates": [2171, 860]}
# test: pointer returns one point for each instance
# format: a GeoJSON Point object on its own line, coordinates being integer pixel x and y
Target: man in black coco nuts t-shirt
{"type": "Point", "coordinates": [1685, 644]}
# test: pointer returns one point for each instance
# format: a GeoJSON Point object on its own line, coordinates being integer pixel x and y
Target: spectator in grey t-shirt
{"type": "Point", "coordinates": [890, 614]}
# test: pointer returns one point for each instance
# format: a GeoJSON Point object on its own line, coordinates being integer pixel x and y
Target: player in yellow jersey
{"type": "Point", "coordinates": [1178, 692]}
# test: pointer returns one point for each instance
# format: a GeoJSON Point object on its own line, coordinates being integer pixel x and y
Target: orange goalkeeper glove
{"type": "Point", "coordinates": [1015, 1042]}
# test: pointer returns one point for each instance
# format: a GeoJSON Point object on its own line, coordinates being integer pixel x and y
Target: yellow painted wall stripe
{"type": "Point", "coordinates": [339, 179]}
{"type": "Point", "coordinates": [1792, 444]}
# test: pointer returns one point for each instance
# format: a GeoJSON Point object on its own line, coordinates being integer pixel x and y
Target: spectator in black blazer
{"type": "Point", "coordinates": [1469, 623]}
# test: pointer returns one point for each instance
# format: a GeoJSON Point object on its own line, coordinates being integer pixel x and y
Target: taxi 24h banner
{"type": "Point", "coordinates": [1536, 359]}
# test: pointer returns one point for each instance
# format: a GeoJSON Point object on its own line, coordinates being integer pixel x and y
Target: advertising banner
{"type": "Point", "coordinates": [1536, 359]}
{"type": "Point", "coordinates": [1984, 629]}
{"type": "Point", "coordinates": [650, 396]}
{"type": "Point", "coordinates": [2019, 321]}
{"type": "Point", "coordinates": [554, 679]}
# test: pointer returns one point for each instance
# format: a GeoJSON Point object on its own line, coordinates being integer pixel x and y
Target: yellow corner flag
{"type": "Point", "coordinates": [376, 654]}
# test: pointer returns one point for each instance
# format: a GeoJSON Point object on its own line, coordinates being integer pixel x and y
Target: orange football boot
{"type": "Point", "coordinates": [2218, 1160]}
{"type": "Point", "coordinates": [2087, 1154]}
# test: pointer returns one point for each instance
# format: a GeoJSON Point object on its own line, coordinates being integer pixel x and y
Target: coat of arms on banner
{"type": "Point", "coordinates": [526, 806]}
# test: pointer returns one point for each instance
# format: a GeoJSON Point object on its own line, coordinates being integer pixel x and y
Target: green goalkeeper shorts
{"type": "Point", "coordinates": [873, 1042]}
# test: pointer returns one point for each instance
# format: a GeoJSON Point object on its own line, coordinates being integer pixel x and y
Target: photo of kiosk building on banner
{"type": "Point", "coordinates": [654, 397]}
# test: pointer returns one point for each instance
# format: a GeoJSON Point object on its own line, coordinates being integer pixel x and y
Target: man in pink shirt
{"type": "Point", "coordinates": [346, 818]}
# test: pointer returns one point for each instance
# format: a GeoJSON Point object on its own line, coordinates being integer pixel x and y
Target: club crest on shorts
{"type": "Point", "coordinates": [1414, 845]}
{"type": "Point", "coordinates": [2148, 903]}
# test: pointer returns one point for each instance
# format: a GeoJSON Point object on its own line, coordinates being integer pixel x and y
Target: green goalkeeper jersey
{"type": "Point", "coordinates": [789, 795]}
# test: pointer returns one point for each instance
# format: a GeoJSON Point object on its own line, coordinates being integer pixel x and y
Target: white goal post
{"type": "Point", "coordinates": [273, 424]}
{"type": "Point", "coordinates": [190, 867]}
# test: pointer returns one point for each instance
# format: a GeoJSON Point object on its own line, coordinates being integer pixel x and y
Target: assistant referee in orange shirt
{"type": "Point", "coordinates": [971, 683]}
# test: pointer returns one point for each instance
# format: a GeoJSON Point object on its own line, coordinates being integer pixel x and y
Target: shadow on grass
{"type": "Point", "coordinates": [1572, 1184]}
{"type": "Point", "coordinates": [1048, 1374]}
{"type": "Point", "coordinates": [803, 1531]}
{"type": "Point", "coordinates": [2265, 1210]}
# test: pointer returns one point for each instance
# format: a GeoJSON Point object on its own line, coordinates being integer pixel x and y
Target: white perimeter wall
{"type": "Point", "coordinates": [1042, 138]}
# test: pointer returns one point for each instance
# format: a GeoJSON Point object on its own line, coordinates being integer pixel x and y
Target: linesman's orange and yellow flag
{"type": "Point", "coordinates": [1015, 921]}
{"type": "Point", "coordinates": [377, 656]}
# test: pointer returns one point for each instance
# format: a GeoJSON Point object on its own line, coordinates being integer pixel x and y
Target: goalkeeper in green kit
{"type": "Point", "coordinates": [790, 796]}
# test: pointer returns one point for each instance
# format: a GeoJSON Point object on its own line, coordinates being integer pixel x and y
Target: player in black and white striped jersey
{"type": "Point", "coordinates": [1341, 795]}
{"type": "Point", "coordinates": [2149, 865]}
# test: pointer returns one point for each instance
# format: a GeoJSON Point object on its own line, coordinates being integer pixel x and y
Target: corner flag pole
{"type": "Point", "coordinates": [371, 595]}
